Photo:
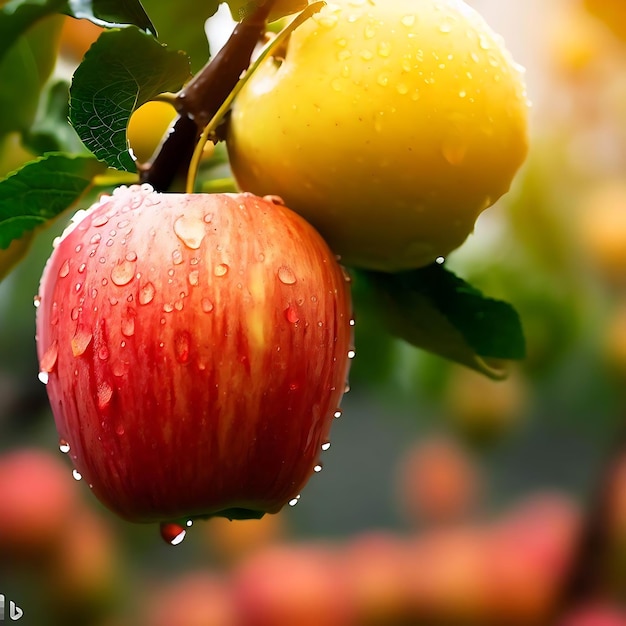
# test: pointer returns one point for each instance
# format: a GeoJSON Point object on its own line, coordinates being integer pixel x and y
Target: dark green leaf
{"type": "Point", "coordinates": [41, 190]}
{"type": "Point", "coordinates": [52, 131]}
{"type": "Point", "coordinates": [120, 72]}
{"type": "Point", "coordinates": [433, 309]}
{"type": "Point", "coordinates": [111, 13]}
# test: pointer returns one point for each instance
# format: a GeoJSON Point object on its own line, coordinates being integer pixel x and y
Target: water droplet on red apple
{"type": "Point", "coordinates": [190, 230]}
{"type": "Point", "coordinates": [177, 257]}
{"type": "Point", "coordinates": [194, 278]}
{"type": "Point", "coordinates": [103, 353]}
{"type": "Point", "coordinates": [104, 393]}
{"type": "Point", "coordinates": [286, 275]}
{"type": "Point", "coordinates": [99, 220]}
{"type": "Point", "coordinates": [81, 340]}
{"type": "Point", "coordinates": [128, 322]}
{"type": "Point", "coordinates": [64, 270]}
{"type": "Point", "coordinates": [96, 238]}
{"type": "Point", "coordinates": [77, 475]}
{"type": "Point", "coordinates": [64, 446]}
{"type": "Point", "coordinates": [351, 354]}
{"type": "Point", "coordinates": [54, 314]}
{"type": "Point", "coordinates": [292, 315]}
{"type": "Point", "coordinates": [43, 377]}
{"type": "Point", "coordinates": [181, 346]}
{"type": "Point", "coordinates": [207, 305]}
{"type": "Point", "coordinates": [119, 368]}
{"type": "Point", "coordinates": [326, 446]}
{"type": "Point", "coordinates": [49, 358]}
{"type": "Point", "coordinates": [172, 533]}
{"type": "Point", "coordinates": [337, 414]}
{"type": "Point", "coordinates": [119, 429]}
{"type": "Point", "coordinates": [123, 272]}
{"type": "Point", "coordinates": [294, 501]}
{"type": "Point", "coordinates": [221, 269]}
{"type": "Point", "coordinates": [146, 293]}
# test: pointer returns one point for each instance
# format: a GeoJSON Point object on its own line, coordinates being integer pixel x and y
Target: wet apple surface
{"type": "Point", "coordinates": [195, 350]}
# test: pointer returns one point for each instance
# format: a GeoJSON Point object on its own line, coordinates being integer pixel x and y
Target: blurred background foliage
{"type": "Point", "coordinates": [446, 497]}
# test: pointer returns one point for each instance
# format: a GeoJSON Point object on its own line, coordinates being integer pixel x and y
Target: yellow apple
{"type": "Point", "coordinates": [389, 125]}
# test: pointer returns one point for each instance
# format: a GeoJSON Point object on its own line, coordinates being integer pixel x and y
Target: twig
{"type": "Point", "coordinates": [201, 98]}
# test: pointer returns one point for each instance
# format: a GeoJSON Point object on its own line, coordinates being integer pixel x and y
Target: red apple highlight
{"type": "Point", "coordinates": [195, 349]}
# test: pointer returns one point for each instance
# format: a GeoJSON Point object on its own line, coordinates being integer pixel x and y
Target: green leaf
{"type": "Point", "coordinates": [41, 190]}
{"type": "Point", "coordinates": [178, 31]}
{"type": "Point", "coordinates": [51, 130]}
{"type": "Point", "coordinates": [111, 13]}
{"type": "Point", "coordinates": [433, 309]}
{"type": "Point", "coordinates": [120, 72]}
{"type": "Point", "coordinates": [18, 16]}
{"type": "Point", "coordinates": [24, 68]}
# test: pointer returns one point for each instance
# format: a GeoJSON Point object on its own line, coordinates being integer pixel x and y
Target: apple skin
{"type": "Point", "coordinates": [389, 125]}
{"type": "Point", "coordinates": [196, 348]}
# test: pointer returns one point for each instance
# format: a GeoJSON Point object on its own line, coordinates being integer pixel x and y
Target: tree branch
{"type": "Point", "coordinates": [200, 99]}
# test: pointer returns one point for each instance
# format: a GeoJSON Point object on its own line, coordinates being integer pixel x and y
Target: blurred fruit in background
{"type": "Point", "coordinates": [603, 229]}
{"type": "Point", "coordinates": [613, 338]}
{"type": "Point", "coordinates": [598, 614]}
{"type": "Point", "coordinates": [578, 42]}
{"type": "Point", "coordinates": [85, 576]}
{"type": "Point", "coordinates": [38, 504]}
{"type": "Point", "coordinates": [438, 482]}
{"type": "Point", "coordinates": [197, 598]}
{"type": "Point", "coordinates": [482, 409]}
{"type": "Point", "coordinates": [292, 584]}
{"type": "Point", "coordinates": [77, 36]}
{"type": "Point", "coordinates": [376, 581]}
{"type": "Point", "coordinates": [611, 12]}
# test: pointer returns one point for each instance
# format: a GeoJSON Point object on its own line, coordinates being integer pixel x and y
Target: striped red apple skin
{"type": "Point", "coordinates": [196, 349]}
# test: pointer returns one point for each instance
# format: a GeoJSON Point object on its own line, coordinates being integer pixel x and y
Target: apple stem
{"type": "Point", "coordinates": [201, 98]}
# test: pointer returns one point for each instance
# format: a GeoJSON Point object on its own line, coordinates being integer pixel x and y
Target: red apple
{"type": "Point", "coordinates": [195, 349]}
